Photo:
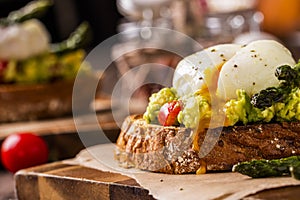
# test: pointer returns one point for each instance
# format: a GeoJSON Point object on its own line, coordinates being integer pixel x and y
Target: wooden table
{"type": "Point", "coordinates": [63, 181]}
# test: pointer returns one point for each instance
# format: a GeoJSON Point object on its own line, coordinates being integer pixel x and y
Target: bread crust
{"type": "Point", "coordinates": [170, 150]}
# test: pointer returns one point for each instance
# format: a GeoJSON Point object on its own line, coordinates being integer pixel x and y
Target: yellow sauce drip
{"type": "Point", "coordinates": [203, 125]}
{"type": "Point", "coordinates": [202, 169]}
{"type": "Point", "coordinates": [217, 117]}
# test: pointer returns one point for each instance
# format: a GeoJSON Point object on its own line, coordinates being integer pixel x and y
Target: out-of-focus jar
{"type": "Point", "coordinates": [227, 19]}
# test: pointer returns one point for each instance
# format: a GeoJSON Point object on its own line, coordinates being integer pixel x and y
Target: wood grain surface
{"type": "Point", "coordinates": [63, 181]}
{"type": "Point", "coordinates": [58, 125]}
{"type": "Point", "coordinates": [6, 185]}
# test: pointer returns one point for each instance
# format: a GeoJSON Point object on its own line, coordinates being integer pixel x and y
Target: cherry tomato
{"type": "Point", "coordinates": [23, 150]}
{"type": "Point", "coordinates": [167, 115]}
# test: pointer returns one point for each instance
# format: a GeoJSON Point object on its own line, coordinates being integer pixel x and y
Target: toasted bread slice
{"type": "Point", "coordinates": [170, 149]}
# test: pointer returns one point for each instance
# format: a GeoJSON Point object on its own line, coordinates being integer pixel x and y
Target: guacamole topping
{"type": "Point", "coordinates": [290, 109]}
{"type": "Point", "coordinates": [241, 110]}
{"type": "Point", "coordinates": [45, 67]}
{"type": "Point", "coordinates": [197, 107]}
{"type": "Point", "coordinates": [156, 101]}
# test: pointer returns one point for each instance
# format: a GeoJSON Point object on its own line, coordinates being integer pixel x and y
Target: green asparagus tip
{"type": "Point", "coordinates": [80, 38]}
{"type": "Point", "coordinates": [34, 9]}
{"type": "Point", "coordinates": [289, 166]}
{"type": "Point", "coordinates": [289, 78]}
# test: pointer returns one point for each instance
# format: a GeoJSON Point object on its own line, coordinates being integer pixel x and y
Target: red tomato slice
{"type": "Point", "coordinates": [168, 113]}
{"type": "Point", "coordinates": [23, 150]}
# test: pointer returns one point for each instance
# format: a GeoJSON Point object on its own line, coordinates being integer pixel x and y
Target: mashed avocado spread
{"type": "Point", "coordinates": [45, 67]}
{"type": "Point", "coordinates": [239, 110]}
{"type": "Point", "coordinates": [156, 101]}
{"type": "Point", "coordinates": [196, 108]}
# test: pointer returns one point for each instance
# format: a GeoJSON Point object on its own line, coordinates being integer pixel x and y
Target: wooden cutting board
{"type": "Point", "coordinates": [63, 181]}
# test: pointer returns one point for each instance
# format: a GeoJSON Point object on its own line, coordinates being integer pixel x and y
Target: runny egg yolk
{"type": "Point", "coordinates": [217, 117]}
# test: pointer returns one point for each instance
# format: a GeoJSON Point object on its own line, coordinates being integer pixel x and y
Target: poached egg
{"type": "Point", "coordinates": [200, 68]}
{"type": "Point", "coordinates": [225, 68]}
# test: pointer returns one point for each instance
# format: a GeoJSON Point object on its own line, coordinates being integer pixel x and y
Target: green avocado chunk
{"type": "Point", "coordinates": [156, 101]}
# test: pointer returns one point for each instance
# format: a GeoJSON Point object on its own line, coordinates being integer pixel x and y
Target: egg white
{"type": "Point", "coordinates": [252, 68]}
{"type": "Point", "coordinates": [197, 69]}
{"type": "Point", "coordinates": [24, 40]}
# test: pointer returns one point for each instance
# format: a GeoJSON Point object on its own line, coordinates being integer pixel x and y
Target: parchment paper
{"type": "Point", "coordinates": [163, 186]}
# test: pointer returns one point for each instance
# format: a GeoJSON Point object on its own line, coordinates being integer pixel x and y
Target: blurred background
{"type": "Point", "coordinates": [64, 16]}
{"type": "Point", "coordinates": [208, 22]}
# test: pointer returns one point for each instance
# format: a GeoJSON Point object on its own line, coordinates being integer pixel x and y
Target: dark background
{"type": "Point", "coordinates": [62, 19]}
{"type": "Point", "coordinates": [66, 15]}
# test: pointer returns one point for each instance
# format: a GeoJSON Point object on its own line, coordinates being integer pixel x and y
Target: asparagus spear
{"type": "Point", "coordinates": [33, 9]}
{"type": "Point", "coordinates": [78, 39]}
{"type": "Point", "coordinates": [270, 168]}
{"type": "Point", "coordinates": [289, 77]}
